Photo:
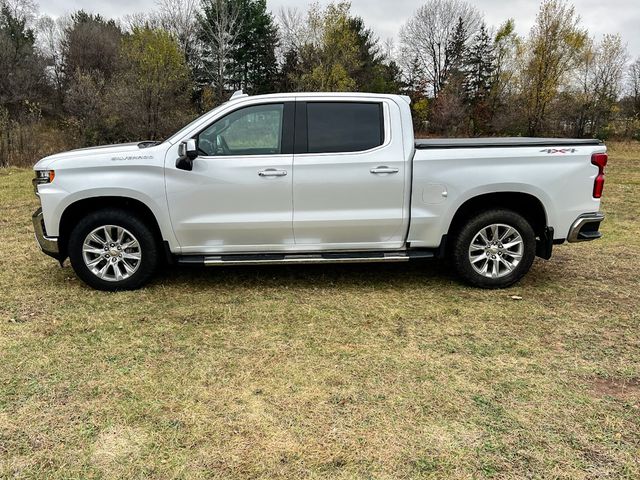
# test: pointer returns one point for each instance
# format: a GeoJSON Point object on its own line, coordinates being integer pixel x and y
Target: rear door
{"type": "Point", "coordinates": [349, 176]}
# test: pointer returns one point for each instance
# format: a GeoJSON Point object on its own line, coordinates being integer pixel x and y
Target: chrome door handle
{"type": "Point", "coordinates": [272, 172]}
{"type": "Point", "coordinates": [383, 169]}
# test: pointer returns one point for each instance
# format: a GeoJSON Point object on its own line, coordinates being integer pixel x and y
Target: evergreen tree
{"type": "Point", "coordinates": [449, 112]}
{"type": "Point", "coordinates": [479, 69]}
{"type": "Point", "coordinates": [238, 40]}
{"type": "Point", "coordinates": [21, 68]}
{"type": "Point", "coordinates": [368, 53]}
{"type": "Point", "coordinates": [254, 67]}
{"type": "Point", "coordinates": [289, 71]}
{"type": "Point", "coordinates": [372, 72]}
{"type": "Point", "coordinates": [415, 85]}
{"type": "Point", "coordinates": [455, 53]}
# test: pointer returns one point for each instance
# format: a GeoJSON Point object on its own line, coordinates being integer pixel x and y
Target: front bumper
{"type": "Point", "coordinates": [48, 245]}
{"type": "Point", "coordinates": [585, 228]}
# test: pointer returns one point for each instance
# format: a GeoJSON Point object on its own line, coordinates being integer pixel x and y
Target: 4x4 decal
{"type": "Point", "coordinates": [559, 150]}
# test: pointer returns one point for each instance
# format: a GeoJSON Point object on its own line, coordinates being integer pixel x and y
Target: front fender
{"type": "Point", "coordinates": [144, 184]}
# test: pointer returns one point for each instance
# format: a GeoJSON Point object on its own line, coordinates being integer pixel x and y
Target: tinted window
{"type": "Point", "coordinates": [344, 126]}
{"type": "Point", "coordinates": [255, 130]}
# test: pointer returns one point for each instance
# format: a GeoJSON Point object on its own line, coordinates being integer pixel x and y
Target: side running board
{"type": "Point", "coordinates": [304, 258]}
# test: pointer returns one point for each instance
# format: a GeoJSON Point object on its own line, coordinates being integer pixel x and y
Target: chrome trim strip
{"type": "Point", "coordinates": [303, 259]}
{"type": "Point", "coordinates": [580, 222]}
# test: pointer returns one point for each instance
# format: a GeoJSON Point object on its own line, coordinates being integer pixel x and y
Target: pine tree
{"type": "Point", "coordinates": [455, 53]}
{"type": "Point", "coordinates": [238, 40]}
{"type": "Point", "coordinates": [372, 72]}
{"type": "Point", "coordinates": [479, 69]}
{"type": "Point", "coordinates": [289, 71]}
{"type": "Point", "coordinates": [479, 65]}
{"type": "Point", "coordinates": [21, 70]}
{"type": "Point", "coordinates": [254, 67]}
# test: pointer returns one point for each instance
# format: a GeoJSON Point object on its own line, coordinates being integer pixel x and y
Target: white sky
{"type": "Point", "coordinates": [386, 17]}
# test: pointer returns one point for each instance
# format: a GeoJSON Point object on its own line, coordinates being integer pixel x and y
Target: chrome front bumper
{"type": "Point", "coordinates": [48, 245]}
{"type": "Point", "coordinates": [585, 228]}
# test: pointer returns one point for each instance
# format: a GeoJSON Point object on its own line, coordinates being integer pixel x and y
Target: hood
{"type": "Point", "coordinates": [102, 151]}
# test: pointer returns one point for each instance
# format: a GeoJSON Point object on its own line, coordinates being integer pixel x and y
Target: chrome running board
{"type": "Point", "coordinates": [304, 258]}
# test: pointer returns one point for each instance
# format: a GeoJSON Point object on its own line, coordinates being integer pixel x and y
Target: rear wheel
{"type": "Point", "coordinates": [494, 249]}
{"type": "Point", "coordinates": [112, 250]}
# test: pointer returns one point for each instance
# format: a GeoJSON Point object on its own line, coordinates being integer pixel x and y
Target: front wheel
{"type": "Point", "coordinates": [494, 249]}
{"type": "Point", "coordinates": [113, 250]}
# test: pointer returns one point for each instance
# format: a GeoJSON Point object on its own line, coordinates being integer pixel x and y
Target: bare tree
{"type": "Point", "coordinates": [389, 49]}
{"type": "Point", "coordinates": [49, 42]}
{"type": "Point", "coordinates": [179, 18]}
{"type": "Point", "coordinates": [611, 58]}
{"type": "Point", "coordinates": [220, 27]}
{"type": "Point", "coordinates": [293, 29]}
{"type": "Point", "coordinates": [428, 34]}
{"type": "Point", "coordinates": [24, 10]}
{"type": "Point", "coordinates": [135, 20]}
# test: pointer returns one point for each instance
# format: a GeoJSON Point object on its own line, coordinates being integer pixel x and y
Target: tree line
{"type": "Point", "coordinates": [83, 79]}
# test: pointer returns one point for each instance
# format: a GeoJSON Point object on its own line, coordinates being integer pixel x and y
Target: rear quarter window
{"type": "Point", "coordinates": [344, 126]}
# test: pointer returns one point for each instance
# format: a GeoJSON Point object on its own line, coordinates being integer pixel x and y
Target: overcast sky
{"type": "Point", "coordinates": [387, 16]}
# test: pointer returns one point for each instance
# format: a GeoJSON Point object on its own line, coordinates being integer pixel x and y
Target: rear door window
{"type": "Point", "coordinates": [344, 126]}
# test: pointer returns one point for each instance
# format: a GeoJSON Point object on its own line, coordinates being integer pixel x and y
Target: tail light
{"type": "Point", "coordinates": [600, 161]}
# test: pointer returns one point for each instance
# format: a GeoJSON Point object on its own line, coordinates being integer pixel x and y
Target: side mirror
{"type": "Point", "coordinates": [187, 152]}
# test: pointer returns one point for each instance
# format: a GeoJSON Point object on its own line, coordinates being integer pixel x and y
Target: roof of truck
{"type": "Point", "coordinates": [240, 95]}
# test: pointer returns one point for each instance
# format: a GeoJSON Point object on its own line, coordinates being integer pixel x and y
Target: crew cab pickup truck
{"type": "Point", "coordinates": [312, 178]}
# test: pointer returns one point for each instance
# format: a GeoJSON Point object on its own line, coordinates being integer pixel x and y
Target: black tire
{"type": "Point", "coordinates": [463, 237]}
{"type": "Point", "coordinates": [143, 234]}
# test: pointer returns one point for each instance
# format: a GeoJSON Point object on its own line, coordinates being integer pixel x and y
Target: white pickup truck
{"type": "Point", "coordinates": [316, 177]}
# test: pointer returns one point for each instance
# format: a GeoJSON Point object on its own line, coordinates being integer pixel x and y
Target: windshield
{"type": "Point", "coordinates": [191, 124]}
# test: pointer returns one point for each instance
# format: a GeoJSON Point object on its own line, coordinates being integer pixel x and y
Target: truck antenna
{"type": "Point", "coordinates": [238, 94]}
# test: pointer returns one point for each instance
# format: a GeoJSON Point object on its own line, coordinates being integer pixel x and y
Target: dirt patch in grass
{"type": "Point", "coordinates": [116, 448]}
{"type": "Point", "coordinates": [623, 389]}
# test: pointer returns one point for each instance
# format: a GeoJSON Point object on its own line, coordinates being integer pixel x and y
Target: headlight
{"type": "Point", "coordinates": [43, 176]}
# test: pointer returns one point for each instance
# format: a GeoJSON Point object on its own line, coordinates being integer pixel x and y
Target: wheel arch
{"type": "Point", "coordinates": [80, 208]}
{"type": "Point", "coordinates": [526, 204]}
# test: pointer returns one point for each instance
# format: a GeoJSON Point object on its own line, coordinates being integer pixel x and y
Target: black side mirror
{"type": "Point", "coordinates": [187, 152]}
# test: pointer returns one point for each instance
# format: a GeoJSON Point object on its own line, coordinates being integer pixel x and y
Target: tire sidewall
{"type": "Point", "coordinates": [137, 227]}
{"type": "Point", "coordinates": [468, 231]}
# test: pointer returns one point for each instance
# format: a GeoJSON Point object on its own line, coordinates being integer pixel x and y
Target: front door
{"type": "Point", "coordinates": [349, 176]}
{"type": "Point", "coordinates": [238, 197]}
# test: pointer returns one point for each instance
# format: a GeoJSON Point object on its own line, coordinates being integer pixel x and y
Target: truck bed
{"type": "Point", "coordinates": [492, 142]}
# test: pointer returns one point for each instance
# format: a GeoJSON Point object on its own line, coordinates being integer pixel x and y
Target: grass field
{"type": "Point", "coordinates": [362, 371]}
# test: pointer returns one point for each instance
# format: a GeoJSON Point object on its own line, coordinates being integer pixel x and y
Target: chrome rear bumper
{"type": "Point", "coordinates": [585, 228]}
{"type": "Point", "coordinates": [48, 245]}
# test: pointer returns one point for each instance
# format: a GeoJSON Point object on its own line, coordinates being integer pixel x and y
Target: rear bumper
{"type": "Point", "coordinates": [48, 245]}
{"type": "Point", "coordinates": [585, 228]}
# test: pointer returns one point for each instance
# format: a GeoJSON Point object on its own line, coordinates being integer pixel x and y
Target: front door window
{"type": "Point", "coordinates": [254, 130]}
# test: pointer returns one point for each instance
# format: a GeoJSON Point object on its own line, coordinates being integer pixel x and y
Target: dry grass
{"type": "Point", "coordinates": [325, 372]}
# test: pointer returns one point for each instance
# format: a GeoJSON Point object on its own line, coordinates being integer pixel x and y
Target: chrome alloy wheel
{"type": "Point", "coordinates": [111, 253]}
{"type": "Point", "coordinates": [496, 250]}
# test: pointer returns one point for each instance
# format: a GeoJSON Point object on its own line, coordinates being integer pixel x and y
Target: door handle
{"type": "Point", "coordinates": [383, 169]}
{"type": "Point", "coordinates": [272, 172]}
